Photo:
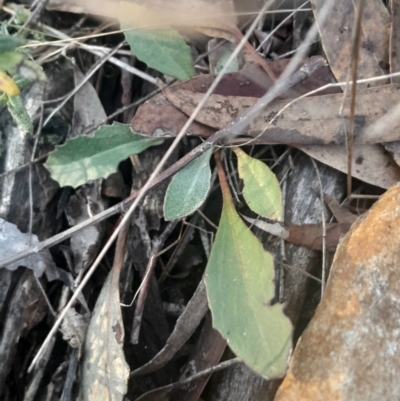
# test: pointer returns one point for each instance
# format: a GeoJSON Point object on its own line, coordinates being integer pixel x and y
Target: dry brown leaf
{"type": "Point", "coordinates": [350, 350]}
{"type": "Point", "coordinates": [252, 81]}
{"type": "Point", "coordinates": [146, 13]}
{"type": "Point", "coordinates": [336, 37]}
{"type": "Point", "coordinates": [310, 121]}
{"type": "Point", "coordinates": [234, 35]}
{"type": "Point", "coordinates": [371, 163]}
{"type": "Point", "coordinates": [306, 235]}
{"type": "Point", "coordinates": [105, 372]}
{"type": "Point", "coordinates": [157, 117]}
{"type": "Point", "coordinates": [311, 235]}
{"type": "Point", "coordinates": [342, 214]}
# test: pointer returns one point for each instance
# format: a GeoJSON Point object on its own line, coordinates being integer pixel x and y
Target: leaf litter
{"type": "Point", "coordinates": [313, 124]}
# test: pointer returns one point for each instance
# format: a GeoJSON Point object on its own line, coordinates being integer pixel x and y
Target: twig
{"type": "Point", "coordinates": [30, 226]}
{"type": "Point", "coordinates": [83, 82]}
{"type": "Point", "coordinates": [111, 59]}
{"type": "Point", "coordinates": [185, 236]}
{"type": "Point", "coordinates": [321, 193]}
{"type": "Point", "coordinates": [37, 8]}
{"type": "Point", "coordinates": [38, 132]}
{"type": "Point", "coordinates": [354, 62]}
{"type": "Point", "coordinates": [158, 244]}
{"type": "Point", "coordinates": [209, 371]}
{"type": "Point", "coordinates": [280, 24]}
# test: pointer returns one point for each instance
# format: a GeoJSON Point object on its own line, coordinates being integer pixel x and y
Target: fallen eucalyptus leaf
{"type": "Point", "coordinates": [307, 235]}
{"type": "Point", "coordinates": [105, 372]}
{"type": "Point", "coordinates": [371, 163]}
{"type": "Point", "coordinates": [337, 34]}
{"type": "Point", "coordinates": [313, 120]}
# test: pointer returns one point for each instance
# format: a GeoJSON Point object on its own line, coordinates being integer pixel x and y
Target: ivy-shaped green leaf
{"type": "Point", "coordinates": [87, 158]}
{"type": "Point", "coordinates": [261, 187]}
{"type": "Point", "coordinates": [189, 188]}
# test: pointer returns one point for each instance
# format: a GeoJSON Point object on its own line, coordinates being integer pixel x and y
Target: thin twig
{"type": "Point", "coordinates": [111, 59]}
{"type": "Point", "coordinates": [321, 193]}
{"type": "Point", "coordinates": [158, 244]}
{"type": "Point", "coordinates": [30, 226]}
{"type": "Point", "coordinates": [98, 64]}
{"type": "Point", "coordinates": [279, 25]}
{"type": "Point", "coordinates": [209, 371]}
{"type": "Point", "coordinates": [354, 61]}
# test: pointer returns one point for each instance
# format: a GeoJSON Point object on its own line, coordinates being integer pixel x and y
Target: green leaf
{"type": "Point", "coordinates": [87, 158]}
{"type": "Point", "coordinates": [162, 49]}
{"type": "Point", "coordinates": [261, 188]}
{"type": "Point", "coordinates": [9, 61]}
{"type": "Point", "coordinates": [21, 81]}
{"type": "Point", "coordinates": [189, 188]}
{"type": "Point", "coordinates": [17, 110]}
{"type": "Point", "coordinates": [240, 287]}
{"type": "Point", "coordinates": [9, 43]}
